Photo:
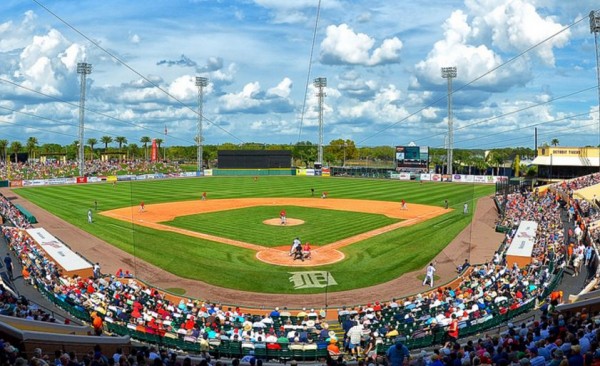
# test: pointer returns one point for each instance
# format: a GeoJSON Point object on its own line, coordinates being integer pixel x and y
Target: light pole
{"type": "Point", "coordinates": [83, 69]}
{"type": "Point", "coordinates": [595, 28]}
{"type": "Point", "coordinates": [201, 82]}
{"type": "Point", "coordinates": [320, 83]}
{"type": "Point", "coordinates": [450, 73]}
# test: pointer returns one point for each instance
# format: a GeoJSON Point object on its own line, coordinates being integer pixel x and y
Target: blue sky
{"type": "Point", "coordinates": [382, 62]}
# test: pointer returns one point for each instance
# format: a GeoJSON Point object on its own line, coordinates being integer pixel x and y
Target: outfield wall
{"type": "Point", "coordinates": [325, 172]}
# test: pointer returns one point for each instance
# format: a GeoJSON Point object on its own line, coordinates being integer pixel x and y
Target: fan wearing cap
{"type": "Point", "coordinates": [333, 348]}
{"type": "Point", "coordinates": [397, 354]}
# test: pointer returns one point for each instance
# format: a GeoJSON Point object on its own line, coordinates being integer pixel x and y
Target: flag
{"type": "Point", "coordinates": [165, 129]}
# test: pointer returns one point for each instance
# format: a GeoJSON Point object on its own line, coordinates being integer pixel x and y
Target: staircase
{"type": "Point", "coordinates": [337, 328]}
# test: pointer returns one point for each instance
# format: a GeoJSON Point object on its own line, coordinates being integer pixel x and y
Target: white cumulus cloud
{"type": "Point", "coordinates": [282, 89]}
{"type": "Point", "coordinates": [514, 26]}
{"type": "Point", "coordinates": [344, 46]}
{"type": "Point", "coordinates": [472, 61]}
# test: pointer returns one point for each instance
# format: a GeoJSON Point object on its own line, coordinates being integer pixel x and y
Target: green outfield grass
{"type": "Point", "coordinates": [320, 226]}
{"type": "Point", "coordinates": [369, 262]}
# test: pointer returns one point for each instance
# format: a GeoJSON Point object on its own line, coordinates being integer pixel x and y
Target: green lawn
{"type": "Point", "coordinates": [320, 226]}
{"type": "Point", "coordinates": [369, 262]}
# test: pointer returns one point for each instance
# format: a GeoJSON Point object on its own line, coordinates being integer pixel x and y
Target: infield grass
{"type": "Point", "coordinates": [368, 262]}
{"type": "Point", "coordinates": [320, 226]}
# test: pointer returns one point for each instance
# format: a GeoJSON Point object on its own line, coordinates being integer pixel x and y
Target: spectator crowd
{"type": "Point", "coordinates": [58, 169]}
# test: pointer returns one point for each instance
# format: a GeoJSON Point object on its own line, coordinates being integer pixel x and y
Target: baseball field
{"type": "Point", "coordinates": [359, 234]}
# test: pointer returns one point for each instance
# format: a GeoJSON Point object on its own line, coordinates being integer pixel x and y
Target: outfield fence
{"type": "Point", "coordinates": [358, 172]}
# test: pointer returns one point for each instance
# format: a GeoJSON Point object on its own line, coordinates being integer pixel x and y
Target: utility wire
{"type": "Point", "coordinates": [474, 80]}
{"type": "Point", "coordinates": [116, 58]}
{"type": "Point", "coordinates": [77, 106]}
{"type": "Point", "coordinates": [515, 111]}
{"type": "Point", "coordinates": [528, 126]}
{"type": "Point", "coordinates": [310, 58]}
{"type": "Point", "coordinates": [554, 131]}
{"type": "Point", "coordinates": [563, 131]}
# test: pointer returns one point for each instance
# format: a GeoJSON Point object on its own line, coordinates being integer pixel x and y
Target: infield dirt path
{"type": "Point", "coordinates": [153, 215]}
{"type": "Point", "coordinates": [478, 241]}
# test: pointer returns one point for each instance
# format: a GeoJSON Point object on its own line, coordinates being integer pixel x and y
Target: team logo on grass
{"type": "Point", "coordinates": [311, 279]}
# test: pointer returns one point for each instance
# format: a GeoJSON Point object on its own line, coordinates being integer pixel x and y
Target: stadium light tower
{"type": "Point", "coordinates": [320, 83]}
{"type": "Point", "coordinates": [449, 73]}
{"type": "Point", "coordinates": [201, 82]}
{"type": "Point", "coordinates": [595, 28]}
{"type": "Point", "coordinates": [83, 69]}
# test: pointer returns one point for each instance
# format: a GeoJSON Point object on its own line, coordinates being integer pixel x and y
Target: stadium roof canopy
{"type": "Point", "coordinates": [566, 161]}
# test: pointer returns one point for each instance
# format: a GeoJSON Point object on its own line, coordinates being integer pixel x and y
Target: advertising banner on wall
{"type": "Point", "coordinates": [436, 177]}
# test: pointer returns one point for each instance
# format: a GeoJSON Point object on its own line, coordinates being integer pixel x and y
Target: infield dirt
{"type": "Point", "coordinates": [153, 215]}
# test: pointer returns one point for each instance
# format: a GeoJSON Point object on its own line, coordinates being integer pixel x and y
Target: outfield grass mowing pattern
{"type": "Point", "coordinates": [369, 262]}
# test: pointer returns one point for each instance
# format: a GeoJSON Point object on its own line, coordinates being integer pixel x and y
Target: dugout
{"type": "Point", "coordinates": [254, 159]}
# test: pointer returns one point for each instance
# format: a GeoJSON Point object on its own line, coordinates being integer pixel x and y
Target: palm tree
{"type": "Point", "coordinates": [92, 141]}
{"type": "Point", "coordinates": [145, 140]}
{"type": "Point", "coordinates": [106, 140]}
{"type": "Point", "coordinates": [16, 147]}
{"type": "Point", "coordinates": [554, 142]}
{"type": "Point", "coordinates": [32, 144]}
{"type": "Point", "coordinates": [132, 150]}
{"type": "Point", "coordinates": [3, 146]}
{"type": "Point", "coordinates": [497, 158]}
{"type": "Point", "coordinates": [480, 164]}
{"type": "Point", "coordinates": [121, 140]}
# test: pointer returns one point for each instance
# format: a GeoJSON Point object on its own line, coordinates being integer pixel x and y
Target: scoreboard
{"type": "Point", "coordinates": [412, 158]}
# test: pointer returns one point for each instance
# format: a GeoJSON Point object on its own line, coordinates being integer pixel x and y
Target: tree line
{"type": "Point", "coordinates": [338, 152]}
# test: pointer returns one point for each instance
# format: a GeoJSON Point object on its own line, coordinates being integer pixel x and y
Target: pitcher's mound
{"type": "Point", "coordinates": [289, 222]}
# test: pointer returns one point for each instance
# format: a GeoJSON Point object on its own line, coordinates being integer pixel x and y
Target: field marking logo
{"type": "Point", "coordinates": [311, 279]}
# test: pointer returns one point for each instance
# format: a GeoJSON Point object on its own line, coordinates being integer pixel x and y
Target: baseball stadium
{"type": "Point", "coordinates": [218, 244]}
{"type": "Point", "coordinates": [404, 225]}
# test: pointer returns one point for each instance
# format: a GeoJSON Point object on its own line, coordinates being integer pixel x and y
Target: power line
{"type": "Point", "coordinates": [116, 58]}
{"type": "Point", "coordinates": [528, 126]}
{"type": "Point", "coordinates": [307, 84]}
{"type": "Point", "coordinates": [76, 106]}
{"type": "Point", "coordinates": [554, 132]}
{"type": "Point", "coordinates": [515, 111]}
{"type": "Point", "coordinates": [474, 80]}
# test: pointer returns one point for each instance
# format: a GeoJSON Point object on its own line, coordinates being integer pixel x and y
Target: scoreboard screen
{"type": "Point", "coordinates": [412, 158]}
